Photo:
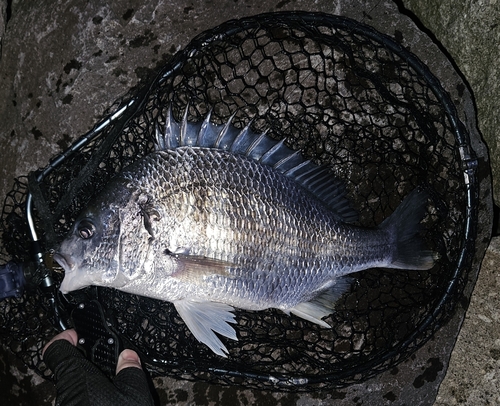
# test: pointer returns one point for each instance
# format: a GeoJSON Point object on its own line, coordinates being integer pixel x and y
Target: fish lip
{"type": "Point", "coordinates": [64, 261]}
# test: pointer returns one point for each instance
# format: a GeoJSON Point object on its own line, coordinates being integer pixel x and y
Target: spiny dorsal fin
{"type": "Point", "coordinates": [318, 180]}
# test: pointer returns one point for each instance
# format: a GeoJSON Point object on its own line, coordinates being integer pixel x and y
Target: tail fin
{"type": "Point", "coordinates": [404, 226]}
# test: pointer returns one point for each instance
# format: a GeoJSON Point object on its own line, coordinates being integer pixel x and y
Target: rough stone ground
{"type": "Point", "coordinates": [63, 65]}
{"type": "Point", "coordinates": [470, 33]}
{"type": "Point", "coordinates": [473, 376]}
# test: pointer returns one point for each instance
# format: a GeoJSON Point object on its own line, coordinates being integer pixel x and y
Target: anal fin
{"type": "Point", "coordinates": [323, 304]}
{"type": "Point", "coordinates": [204, 319]}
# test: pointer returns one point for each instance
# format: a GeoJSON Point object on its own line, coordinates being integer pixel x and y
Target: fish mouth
{"type": "Point", "coordinates": [71, 280]}
{"type": "Point", "coordinates": [64, 261]}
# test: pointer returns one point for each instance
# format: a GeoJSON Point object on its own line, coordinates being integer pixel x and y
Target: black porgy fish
{"type": "Point", "coordinates": [219, 217]}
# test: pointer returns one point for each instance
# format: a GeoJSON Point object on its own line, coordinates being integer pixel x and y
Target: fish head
{"type": "Point", "coordinates": [102, 247]}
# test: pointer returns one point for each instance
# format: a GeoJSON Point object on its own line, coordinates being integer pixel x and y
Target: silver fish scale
{"type": "Point", "coordinates": [283, 243]}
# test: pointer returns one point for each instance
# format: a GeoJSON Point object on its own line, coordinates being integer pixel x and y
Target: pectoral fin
{"type": "Point", "coordinates": [194, 268]}
{"type": "Point", "coordinates": [203, 318]}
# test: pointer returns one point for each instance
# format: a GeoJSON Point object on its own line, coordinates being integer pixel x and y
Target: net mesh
{"type": "Point", "coordinates": [347, 97]}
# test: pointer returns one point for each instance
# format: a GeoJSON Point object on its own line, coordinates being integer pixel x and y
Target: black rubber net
{"type": "Point", "coordinates": [348, 97]}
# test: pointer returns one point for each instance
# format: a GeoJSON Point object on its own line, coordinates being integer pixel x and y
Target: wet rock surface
{"type": "Point", "coordinates": [474, 368]}
{"type": "Point", "coordinates": [470, 32]}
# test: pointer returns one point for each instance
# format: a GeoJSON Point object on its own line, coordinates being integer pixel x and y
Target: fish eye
{"type": "Point", "coordinates": [85, 229]}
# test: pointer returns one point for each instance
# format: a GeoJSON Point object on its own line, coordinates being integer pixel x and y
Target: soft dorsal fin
{"type": "Point", "coordinates": [260, 147]}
